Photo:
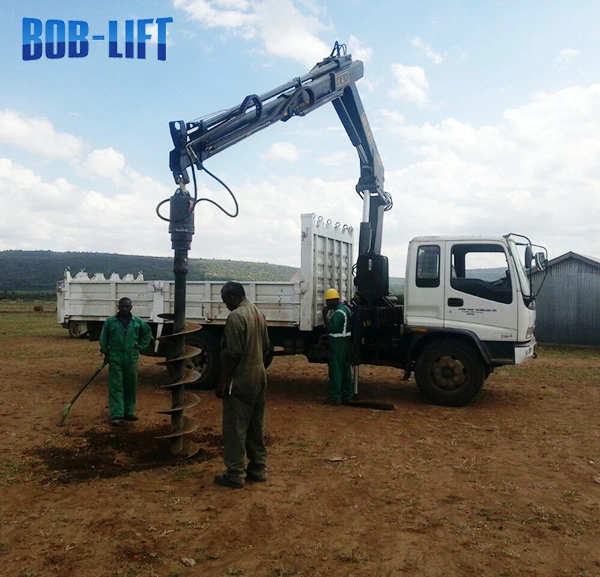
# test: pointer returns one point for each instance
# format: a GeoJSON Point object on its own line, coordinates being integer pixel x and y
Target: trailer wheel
{"type": "Point", "coordinates": [77, 329]}
{"type": "Point", "coordinates": [207, 362]}
{"type": "Point", "coordinates": [449, 373]}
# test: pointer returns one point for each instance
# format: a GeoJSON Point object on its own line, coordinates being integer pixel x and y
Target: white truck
{"type": "Point", "coordinates": [468, 308]}
{"type": "Point", "coordinates": [468, 303]}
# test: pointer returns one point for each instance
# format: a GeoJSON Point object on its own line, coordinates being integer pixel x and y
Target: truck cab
{"type": "Point", "coordinates": [470, 301]}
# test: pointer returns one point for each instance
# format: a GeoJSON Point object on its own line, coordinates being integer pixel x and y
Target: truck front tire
{"type": "Point", "coordinates": [449, 373]}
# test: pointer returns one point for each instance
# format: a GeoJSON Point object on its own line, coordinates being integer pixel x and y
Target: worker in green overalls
{"type": "Point", "coordinates": [337, 321]}
{"type": "Point", "coordinates": [122, 338]}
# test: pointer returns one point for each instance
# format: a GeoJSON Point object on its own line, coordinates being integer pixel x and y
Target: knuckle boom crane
{"type": "Point", "coordinates": [331, 80]}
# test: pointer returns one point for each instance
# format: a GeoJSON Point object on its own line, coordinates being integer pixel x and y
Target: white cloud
{"type": "Point", "coordinates": [429, 53]}
{"type": "Point", "coordinates": [358, 50]}
{"type": "Point", "coordinates": [410, 84]}
{"type": "Point", "coordinates": [283, 28]}
{"type": "Point", "coordinates": [217, 13]}
{"type": "Point", "coordinates": [117, 214]}
{"type": "Point", "coordinates": [281, 151]}
{"type": "Point", "coordinates": [566, 55]}
{"type": "Point", "coordinates": [57, 214]}
{"type": "Point", "coordinates": [268, 225]}
{"type": "Point", "coordinates": [61, 216]}
{"type": "Point", "coordinates": [396, 117]}
{"type": "Point", "coordinates": [107, 163]}
{"type": "Point", "coordinates": [38, 136]}
{"type": "Point", "coordinates": [338, 158]}
{"type": "Point", "coordinates": [536, 173]}
{"type": "Point", "coordinates": [286, 32]}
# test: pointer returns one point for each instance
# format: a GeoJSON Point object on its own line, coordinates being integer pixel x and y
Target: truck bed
{"type": "Point", "coordinates": [326, 261]}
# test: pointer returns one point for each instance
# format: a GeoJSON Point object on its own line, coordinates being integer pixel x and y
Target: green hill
{"type": "Point", "coordinates": [38, 271]}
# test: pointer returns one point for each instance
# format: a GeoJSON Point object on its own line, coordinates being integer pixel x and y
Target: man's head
{"type": "Point", "coordinates": [232, 294]}
{"type": "Point", "coordinates": [125, 306]}
{"type": "Point", "coordinates": [332, 298]}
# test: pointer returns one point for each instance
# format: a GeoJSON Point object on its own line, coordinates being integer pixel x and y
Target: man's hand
{"type": "Point", "coordinates": [106, 358]}
{"type": "Point", "coordinates": [225, 378]}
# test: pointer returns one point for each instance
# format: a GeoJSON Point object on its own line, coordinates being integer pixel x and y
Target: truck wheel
{"type": "Point", "coordinates": [77, 329]}
{"type": "Point", "coordinates": [449, 373]}
{"type": "Point", "coordinates": [207, 362]}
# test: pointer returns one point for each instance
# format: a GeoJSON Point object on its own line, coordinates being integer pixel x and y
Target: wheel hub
{"type": "Point", "coordinates": [448, 373]}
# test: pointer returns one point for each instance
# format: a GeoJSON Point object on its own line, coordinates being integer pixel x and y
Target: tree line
{"type": "Point", "coordinates": [40, 270]}
{"type": "Point", "coordinates": [34, 274]}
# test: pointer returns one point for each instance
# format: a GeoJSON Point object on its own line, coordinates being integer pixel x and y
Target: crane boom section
{"type": "Point", "coordinates": [331, 80]}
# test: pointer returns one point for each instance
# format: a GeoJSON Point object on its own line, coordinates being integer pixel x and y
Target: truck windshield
{"type": "Point", "coordinates": [517, 252]}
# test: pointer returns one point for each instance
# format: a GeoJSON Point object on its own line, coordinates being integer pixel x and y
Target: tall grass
{"type": "Point", "coordinates": [16, 322]}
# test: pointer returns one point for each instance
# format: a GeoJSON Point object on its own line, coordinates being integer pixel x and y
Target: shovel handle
{"type": "Point", "coordinates": [84, 386]}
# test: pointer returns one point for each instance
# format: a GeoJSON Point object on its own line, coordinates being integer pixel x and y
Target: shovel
{"type": "Point", "coordinates": [65, 411]}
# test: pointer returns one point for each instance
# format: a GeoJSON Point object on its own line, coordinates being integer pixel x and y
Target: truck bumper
{"type": "Point", "coordinates": [524, 351]}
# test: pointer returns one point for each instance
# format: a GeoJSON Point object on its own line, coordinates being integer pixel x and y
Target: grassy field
{"type": "Point", "coordinates": [20, 306]}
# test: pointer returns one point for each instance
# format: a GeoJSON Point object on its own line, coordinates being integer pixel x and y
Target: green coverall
{"type": "Point", "coordinates": [123, 346]}
{"type": "Point", "coordinates": [245, 341]}
{"type": "Point", "coordinates": [340, 343]}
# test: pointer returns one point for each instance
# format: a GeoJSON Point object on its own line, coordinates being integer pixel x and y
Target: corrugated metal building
{"type": "Point", "coordinates": [568, 307]}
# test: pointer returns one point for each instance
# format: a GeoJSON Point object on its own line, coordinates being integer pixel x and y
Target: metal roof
{"type": "Point", "coordinates": [586, 259]}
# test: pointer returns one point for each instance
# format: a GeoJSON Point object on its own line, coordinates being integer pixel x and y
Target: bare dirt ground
{"type": "Point", "coordinates": [508, 486]}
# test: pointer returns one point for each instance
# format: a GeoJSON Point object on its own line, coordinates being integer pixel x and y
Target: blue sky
{"type": "Point", "coordinates": [486, 115]}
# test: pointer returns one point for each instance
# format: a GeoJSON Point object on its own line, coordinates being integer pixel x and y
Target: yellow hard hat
{"type": "Point", "coordinates": [331, 294]}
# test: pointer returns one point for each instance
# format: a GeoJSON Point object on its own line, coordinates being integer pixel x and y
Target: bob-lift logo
{"type": "Point", "coordinates": [57, 39]}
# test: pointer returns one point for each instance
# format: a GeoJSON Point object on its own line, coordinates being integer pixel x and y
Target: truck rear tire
{"type": "Point", "coordinates": [207, 362]}
{"type": "Point", "coordinates": [449, 373]}
{"type": "Point", "coordinates": [77, 329]}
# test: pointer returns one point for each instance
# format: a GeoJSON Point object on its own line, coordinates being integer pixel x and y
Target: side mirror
{"type": "Point", "coordinates": [540, 261]}
{"type": "Point", "coordinates": [528, 256]}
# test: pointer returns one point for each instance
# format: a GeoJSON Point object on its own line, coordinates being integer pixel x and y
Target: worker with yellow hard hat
{"type": "Point", "coordinates": [337, 320]}
{"type": "Point", "coordinates": [331, 294]}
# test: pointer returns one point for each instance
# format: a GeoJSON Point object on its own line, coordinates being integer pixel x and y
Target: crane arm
{"type": "Point", "coordinates": [331, 80]}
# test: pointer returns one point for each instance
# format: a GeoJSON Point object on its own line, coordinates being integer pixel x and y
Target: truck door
{"type": "Point", "coordinates": [480, 292]}
{"type": "Point", "coordinates": [424, 290]}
